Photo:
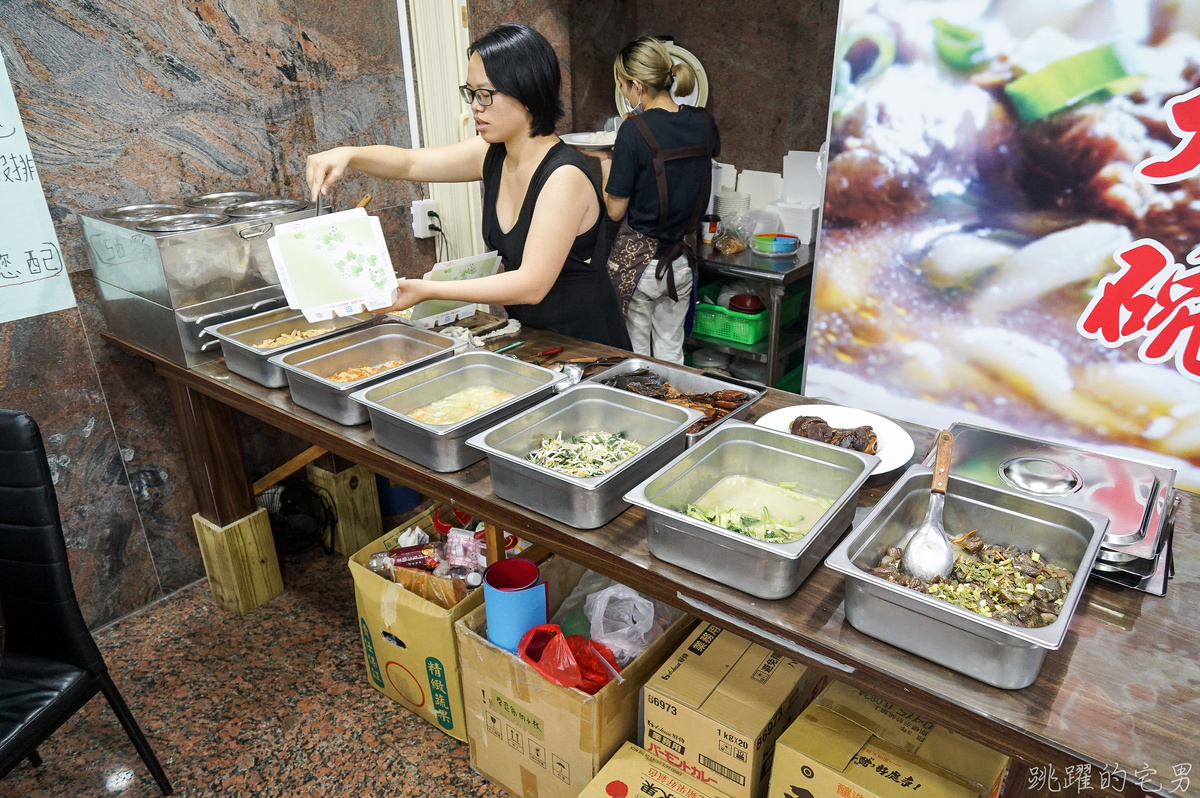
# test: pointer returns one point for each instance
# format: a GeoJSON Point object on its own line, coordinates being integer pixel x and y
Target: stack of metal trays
{"type": "Point", "coordinates": [443, 447]}
{"type": "Point", "coordinates": [583, 502]}
{"type": "Point", "coordinates": [241, 340]}
{"type": "Point", "coordinates": [1137, 497]}
{"type": "Point", "coordinates": [683, 380]}
{"type": "Point", "coordinates": [309, 368]}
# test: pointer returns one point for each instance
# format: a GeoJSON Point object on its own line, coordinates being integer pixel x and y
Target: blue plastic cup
{"type": "Point", "coordinates": [514, 600]}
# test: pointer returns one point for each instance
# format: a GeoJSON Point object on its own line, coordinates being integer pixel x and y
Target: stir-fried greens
{"type": "Point", "coordinates": [760, 526]}
{"type": "Point", "coordinates": [588, 454]}
{"type": "Point", "coordinates": [1015, 587]}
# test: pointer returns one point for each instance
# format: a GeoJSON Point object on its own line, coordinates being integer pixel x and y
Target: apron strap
{"type": "Point", "coordinates": [660, 157]}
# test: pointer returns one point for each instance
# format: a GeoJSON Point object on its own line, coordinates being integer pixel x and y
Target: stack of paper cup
{"type": "Point", "coordinates": [798, 219]}
{"type": "Point", "coordinates": [728, 203]}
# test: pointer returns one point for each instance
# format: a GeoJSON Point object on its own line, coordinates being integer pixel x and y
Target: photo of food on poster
{"type": "Point", "coordinates": [1011, 211]}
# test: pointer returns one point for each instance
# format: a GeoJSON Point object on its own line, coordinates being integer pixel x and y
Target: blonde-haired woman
{"type": "Point", "coordinates": [657, 184]}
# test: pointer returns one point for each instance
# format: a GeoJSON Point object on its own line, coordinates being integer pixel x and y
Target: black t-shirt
{"type": "Point", "coordinates": [632, 172]}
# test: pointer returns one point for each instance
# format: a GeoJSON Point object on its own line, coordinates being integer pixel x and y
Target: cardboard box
{"type": "Point", "coordinates": [409, 643]}
{"type": "Point", "coordinates": [535, 738]}
{"type": "Point", "coordinates": [848, 742]}
{"type": "Point", "coordinates": [717, 706]}
{"type": "Point", "coordinates": [634, 772]}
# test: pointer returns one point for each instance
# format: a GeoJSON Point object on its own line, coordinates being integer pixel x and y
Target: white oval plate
{"type": "Point", "coordinates": [895, 445]}
{"type": "Point", "coordinates": [585, 141]}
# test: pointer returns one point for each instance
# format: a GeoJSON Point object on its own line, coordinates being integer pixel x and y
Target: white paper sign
{"type": "Point", "coordinates": [33, 277]}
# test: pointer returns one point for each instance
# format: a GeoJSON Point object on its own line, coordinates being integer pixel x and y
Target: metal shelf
{"type": "Point", "coordinates": [789, 343]}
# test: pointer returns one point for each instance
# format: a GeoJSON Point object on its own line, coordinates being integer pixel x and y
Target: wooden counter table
{"type": "Point", "coordinates": [1117, 708]}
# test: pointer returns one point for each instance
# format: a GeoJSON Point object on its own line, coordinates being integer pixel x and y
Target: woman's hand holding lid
{"type": "Point", "coordinates": [323, 169]}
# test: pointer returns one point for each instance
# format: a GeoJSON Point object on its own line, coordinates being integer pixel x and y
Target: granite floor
{"type": "Point", "coordinates": [272, 704]}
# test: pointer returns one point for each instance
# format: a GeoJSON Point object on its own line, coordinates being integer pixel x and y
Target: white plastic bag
{"type": "Point", "coordinates": [626, 621]}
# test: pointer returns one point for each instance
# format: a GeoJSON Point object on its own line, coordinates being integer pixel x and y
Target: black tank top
{"type": "Point", "coordinates": [582, 302]}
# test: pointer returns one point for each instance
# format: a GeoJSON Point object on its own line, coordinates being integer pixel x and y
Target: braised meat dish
{"type": "Point", "coordinates": [860, 439]}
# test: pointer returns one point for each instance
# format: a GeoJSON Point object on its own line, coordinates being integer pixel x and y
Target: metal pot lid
{"type": "Point", "coordinates": [137, 213]}
{"type": "Point", "coordinates": [272, 206]}
{"type": "Point", "coordinates": [1040, 475]}
{"type": "Point", "coordinates": [179, 222]}
{"type": "Point", "coordinates": [221, 200]}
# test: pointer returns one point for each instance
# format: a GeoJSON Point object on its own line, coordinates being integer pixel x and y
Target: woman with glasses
{"type": "Point", "coordinates": [541, 207]}
{"type": "Point", "coordinates": [656, 183]}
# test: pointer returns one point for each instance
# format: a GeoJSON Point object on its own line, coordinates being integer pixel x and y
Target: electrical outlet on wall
{"type": "Point", "coordinates": [422, 222]}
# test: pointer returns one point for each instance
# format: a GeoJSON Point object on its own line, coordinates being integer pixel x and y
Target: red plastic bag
{"type": "Point", "coordinates": [571, 661]}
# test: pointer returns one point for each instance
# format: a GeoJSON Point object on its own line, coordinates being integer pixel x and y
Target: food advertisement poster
{"type": "Point", "coordinates": [1011, 229]}
{"type": "Point", "coordinates": [33, 278]}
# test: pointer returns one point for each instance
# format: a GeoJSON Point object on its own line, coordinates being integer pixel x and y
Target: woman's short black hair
{"type": "Point", "coordinates": [522, 64]}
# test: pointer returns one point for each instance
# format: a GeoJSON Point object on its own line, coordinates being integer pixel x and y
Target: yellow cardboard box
{"type": "Point", "coordinates": [848, 742]}
{"type": "Point", "coordinates": [717, 706]}
{"type": "Point", "coordinates": [634, 773]}
{"type": "Point", "coordinates": [535, 738]}
{"type": "Point", "coordinates": [409, 642]}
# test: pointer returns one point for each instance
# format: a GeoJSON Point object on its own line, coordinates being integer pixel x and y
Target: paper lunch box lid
{"type": "Point", "coordinates": [334, 265]}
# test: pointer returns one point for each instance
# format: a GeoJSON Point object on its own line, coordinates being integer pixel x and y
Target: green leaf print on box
{"type": "Point", "coordinates": [344, 259]}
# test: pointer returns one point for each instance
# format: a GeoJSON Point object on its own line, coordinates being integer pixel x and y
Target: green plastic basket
{"type": "Point", "coordinates": [729, 325]}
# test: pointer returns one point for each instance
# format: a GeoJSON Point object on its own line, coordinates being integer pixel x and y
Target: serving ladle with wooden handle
{"type": "Point", "coordinates": [928, 552]}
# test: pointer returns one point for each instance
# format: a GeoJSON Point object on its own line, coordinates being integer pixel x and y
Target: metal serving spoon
{"type": "Point", "coordinates": [928, 551]}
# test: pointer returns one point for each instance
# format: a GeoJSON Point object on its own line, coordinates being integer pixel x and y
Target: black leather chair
{"type": "Point", "coordinates": [50, 666]}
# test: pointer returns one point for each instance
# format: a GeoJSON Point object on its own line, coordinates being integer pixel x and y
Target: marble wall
{"type": "Point", "coordinates": [127, 102]}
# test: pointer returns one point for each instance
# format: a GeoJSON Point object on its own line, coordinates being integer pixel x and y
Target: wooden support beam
{"type": "Point", "coordinates": [495, 542]}
{"type": "Point", "coordinates": [356, 502]}
{"type": "Point", "coordinates": [239, 558]}
{"type": "Point", "coordinates": [288, 468]}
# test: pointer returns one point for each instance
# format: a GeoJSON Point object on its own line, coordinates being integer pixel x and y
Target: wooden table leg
{"type": "Point", "coordinates": [233, 531]}
{"type": "Point", "coordinates": [495, 542]}
{"type": "Point", "coordinates": [216, 461]}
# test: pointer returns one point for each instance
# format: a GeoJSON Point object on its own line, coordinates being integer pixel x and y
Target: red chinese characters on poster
{"type": "Point", "coordinates": [1152, 297]}
{"type": "Point", "coordinates": [1012, 194]}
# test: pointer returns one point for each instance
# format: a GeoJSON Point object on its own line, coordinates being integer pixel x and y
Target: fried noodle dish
{"type": "Point", "coordinates": [362, 372]}
{"type": "Point", "coordinates": [292, 337]}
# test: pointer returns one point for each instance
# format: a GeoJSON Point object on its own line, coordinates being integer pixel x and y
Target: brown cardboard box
{"type": "Point", "coordinates": [535, 738]}
{"type": "Point", "coordinates": [634, 772]}
{"type": "Point", "coordinates": [409, 642]}
{"type": "Point", "coordinates": [717, 706]}
{"type": "Point", "coordinates": [848, 742]}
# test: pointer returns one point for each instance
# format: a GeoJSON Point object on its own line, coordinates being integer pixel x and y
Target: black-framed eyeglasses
{"type": "Point", "coordinates": [483, 96]}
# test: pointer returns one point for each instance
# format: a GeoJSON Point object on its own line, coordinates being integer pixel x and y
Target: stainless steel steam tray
{"type": "Point", "coordinates": [1004, 656]}
{"type": "Point", "coordinates": [239, 340]}
{"type": "Point", "coordinates": [309, 367]}
{"type": "Point", "coordinates": [686, 382]}
{"type": "Point", "coordinates": [443, 447]}
{"type": "Point", "coordinates": [767, 570]}
{"type": "Point", "coordinates": [585, 503]}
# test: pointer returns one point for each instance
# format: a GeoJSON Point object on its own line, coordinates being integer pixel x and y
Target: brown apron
{"type": "Point", "coordinates": [632, 251]}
